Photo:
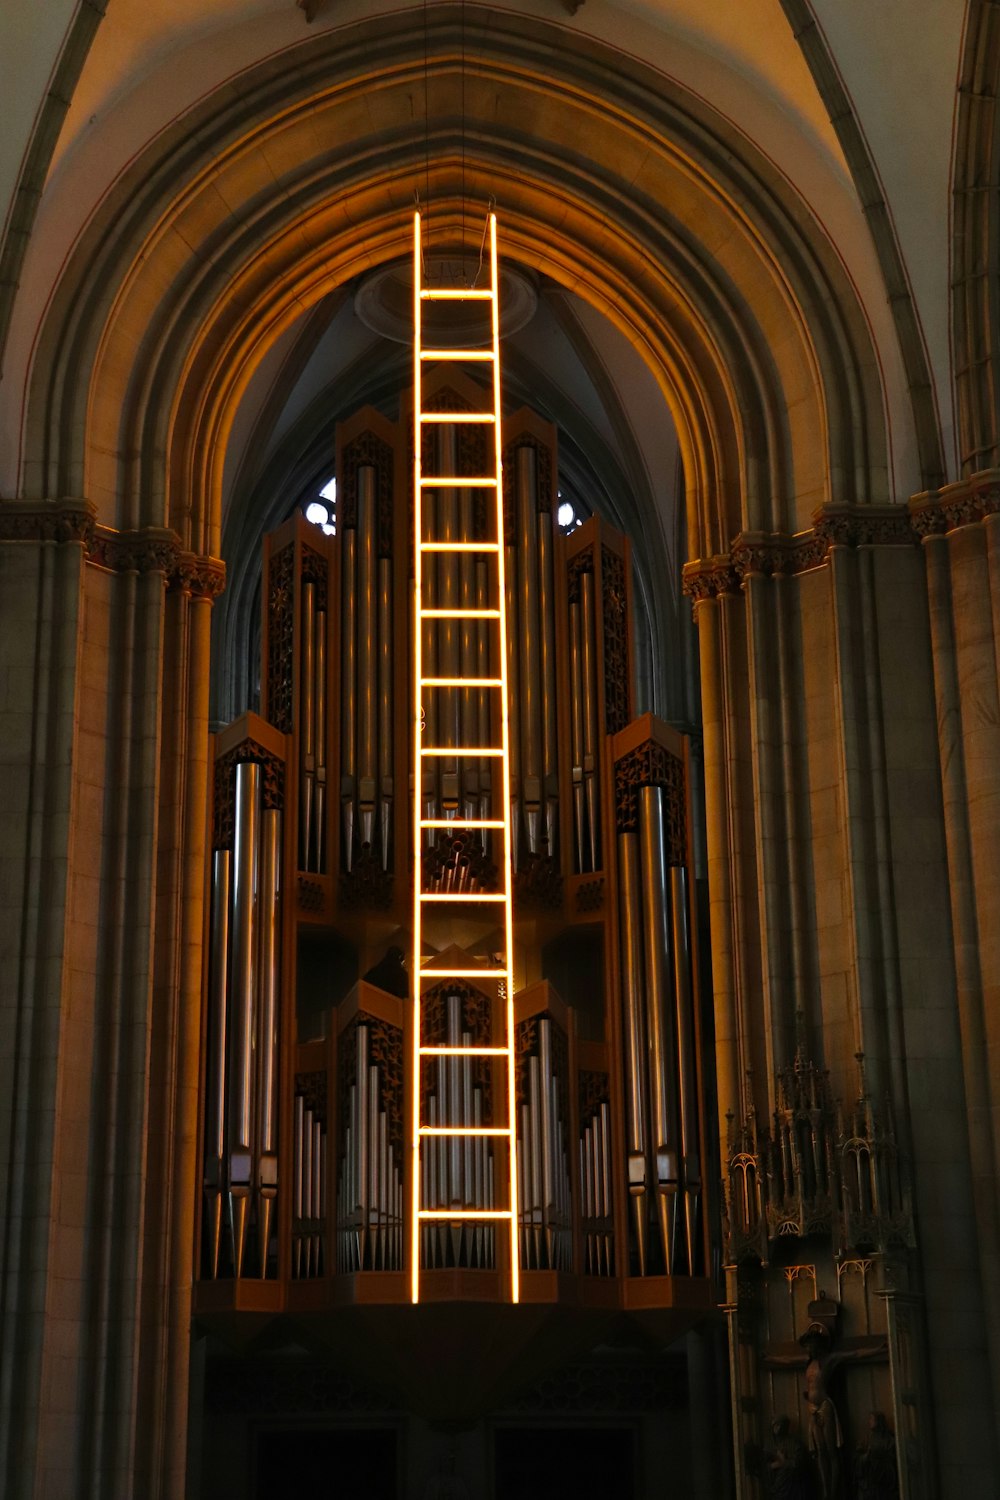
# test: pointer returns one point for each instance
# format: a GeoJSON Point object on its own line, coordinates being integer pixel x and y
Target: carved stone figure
{"type": "Point", "coordinates": [876, 1476]}
{"type": "Point", "coordinates": [784, 1470]}
{"type": "Point", "coordinates": [825, 1436]}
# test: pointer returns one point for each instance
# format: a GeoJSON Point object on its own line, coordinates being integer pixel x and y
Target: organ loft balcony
{"type": "Point", "coordinates": [327, 1124]}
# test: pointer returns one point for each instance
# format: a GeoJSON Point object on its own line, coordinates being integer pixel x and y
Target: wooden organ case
{"type": "Point", "coordinates": [306, 1193]}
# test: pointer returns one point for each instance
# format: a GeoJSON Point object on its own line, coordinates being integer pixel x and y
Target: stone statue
{"type": "Point", "coordinates": [825, 1436]}
{"type": "Point", "coordinates": [784, 1470]}
{"type": "Point", "coordinates": [876, 1476]}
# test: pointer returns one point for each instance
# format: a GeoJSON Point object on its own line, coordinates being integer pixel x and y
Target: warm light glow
{"type": "Point", "coordinates": [457, 416]}
{"type": "Point", "coordinates": [458, 482]}
{"type": "Point", "coordinates": [455, 354]}
{"type": "Point", "coordinates": [463, 896]}
{"type": "Point", "coordinates": [463, 1051]}
{"type": "Point", "coordinates": [470, 682]}
{"type": "Point", "coordinates": [460, 614]}
{"type": "Point", "coordinates": [461, 822]}
{"type": "Point", "coordinates": [461, 750]}
{"type": "Point", "coordinates": [454, 294]}
{"type": "Point", "coordinates": [459, 547]}
{"type": "Point", "coordinates": [463, 1213]}
{"type": "Point", "coordinates": [504, 975]}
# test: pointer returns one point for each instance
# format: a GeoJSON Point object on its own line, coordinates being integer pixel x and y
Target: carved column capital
{"type": "Point", "coordinates": [153, 549]}
{"type": "Point", "coordinates": [937, 512]}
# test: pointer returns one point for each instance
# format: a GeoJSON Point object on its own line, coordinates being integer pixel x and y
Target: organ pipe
{"type": "Point", "coordinates": [319, 700]}
{"type": "Point", "coordinates": [366, 682]}
{"type": "Point", "coordinates": [686, 1061]}
{"type": "Point", "coordinates": [659, 1016]}
{"type": "Point", "coordinates": [634, 1035]}
{"type": "Point", "coordinates": [348, 688]}
{"type": "Point", "coordinates": [215, 1117]}
{"type": "Point", "coordinates": [307, 779]}
{"type": "Point", "coordinates": [242, 1008]}
{"type": "Point", "coordinates": [267, 1042]}
{"type": "Point", "coordinates": [529, 685]}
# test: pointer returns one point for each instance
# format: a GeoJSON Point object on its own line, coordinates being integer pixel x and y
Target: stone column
{"type": "Point", "coordinates": [103, 743]}
{"type": "Point", "coordinates": [960, 527]}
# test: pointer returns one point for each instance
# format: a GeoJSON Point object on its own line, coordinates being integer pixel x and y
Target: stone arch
{"type": "Point", "coordinates": [268, 195]}
{"type": "Point", "coordinates": [976, 240]}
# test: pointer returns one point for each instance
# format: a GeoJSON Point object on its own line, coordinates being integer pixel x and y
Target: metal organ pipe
{"type": "Point", "coordinates": [685, 1060]}
{"type": "Point", "coordinates": [483, 728]}
{"type": "Point", "coordinates": [307, 726]}
{"type": "Point", "coordinates": [550, 747]}
{"type": "Point", "coordinates": [514, 696]}
{"type": "Point", "coordinates": [588, 672]}
{"type": "Point", "coordinates": [576, 727]}
{"type": "Point", "coordinates": [366, 684]}
{"type": "Point", "coordinates": [634, 1036]}
{"type": "Point", "coordinates": [660, 1015]}
{"type": "Point", "coordinates": [385, 743]}
{"type": "Point", "coordinates": [530, 686]}
{"type": "Point", "coordinates": [319, 701]}
{"type": "Point", "coordinates": [215, 1115]}
{"type": "Point", "coordinates": [348, 686]}
{"type": "Point", "coordinates": [242, 1011]}
{"type": "Point", "coordinates": [267, 1041]}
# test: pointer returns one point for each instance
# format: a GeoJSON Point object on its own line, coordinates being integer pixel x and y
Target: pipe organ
{"type": "Point", "coordinates": [308, 1016]}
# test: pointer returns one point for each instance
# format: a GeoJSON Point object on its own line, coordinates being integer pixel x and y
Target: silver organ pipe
{"type": "Point", "coordinates": [634, 1038]}
{"type": "Point", "coordinates": [319, 702]}
{"type": "Point", "coordinates": [543, 1166]}
{"type": "Point", "coordinates": [588, 673]}
{"type": "Point", "coordinates": [366, 682]}
{"type": "Point", "coordinates": [215, 1115]}
{"type": "Point", "coordinates": [267, 1040]}
{"type": "Point", "coordinates": [348, 687]}
{"type": "Point", "coordinates": [483, 669]}
{"type": "Point", "coordinates": [308, 726]}
{"type": "Point", "coordinates": [529, 683]}
{"type": "Point", "coordinates": [686, 1062]}
{"type": "Point", "coordinates": [241, 1045]}
{"type": "Point", "coordinates": [369, 1181]}
{"type": "Point", "coordinates": [581, 861]}
{"type": "Point", "coordinates": [514, 628]}
{"type": "Point", "coordinates": [241, 1119]}
{"type": "Point", "coordinates": [309, 1169]}
{"type": "Point", "coordinates": [660, 1016]}
{"type": "Point", "coordinates": [385, 740]}
{"type": "Point", "coordinates": [547, 635]}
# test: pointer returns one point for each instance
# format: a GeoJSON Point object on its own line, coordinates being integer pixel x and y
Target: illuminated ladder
{"type": "Point", "coordinates": [502, 972]}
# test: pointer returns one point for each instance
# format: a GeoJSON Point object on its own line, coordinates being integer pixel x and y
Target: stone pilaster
{"type": "Point", "coordinates": [103, 747]}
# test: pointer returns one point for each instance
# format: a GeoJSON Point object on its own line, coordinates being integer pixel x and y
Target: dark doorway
{"type": "Point", "coordinates": [535, 1463]}
{"type": "Point", "coordinates": [328, 1465]}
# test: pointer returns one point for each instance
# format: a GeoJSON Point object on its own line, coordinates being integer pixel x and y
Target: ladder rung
{"type": "Point", "coordinates": [496, 974]}
{"type": "Point", "coordinates": [462, 973]}
{"type": "Point", "coordinates": [460, 614]}
{"type": "Point", "coordinates": [457, 416]}
{"type": "Point", "coordinates": [461, 751]}
{"type": "Point", "coordinates": [460, 1130]}
{"type": "Point", "coordinates": [456, 354]}
{"type": "Point", "coordinates": [457, 482]}
{"type": "Point", "coordinates": [460, 546]}
{"type": "Point", "coordinates": [464, 1051]}
{"type": "Point", "coordinates": [461, 822]}
{"type": "Point", "coordinates": [464, 1213]}
{"type": "Point", "coordinates": [462, 682]}
{"type": "Point", "coordinates": [462, 896]}
{"type": "Point", "coordinates": [454, 294]}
